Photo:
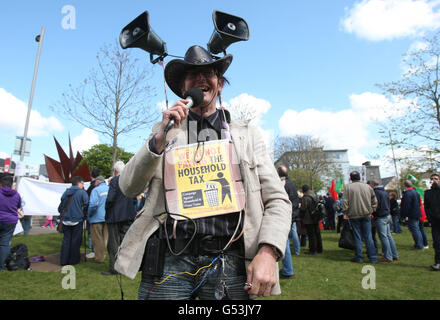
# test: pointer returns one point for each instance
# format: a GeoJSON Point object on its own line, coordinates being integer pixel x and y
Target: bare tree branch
{"type": "Point", "coordinates": [420, 124]}
{"type": "Point", "coordinates": [114, 99]}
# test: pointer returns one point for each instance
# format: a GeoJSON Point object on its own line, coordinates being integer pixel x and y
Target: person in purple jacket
{"type": "Point", "coordinates": [10, 202]}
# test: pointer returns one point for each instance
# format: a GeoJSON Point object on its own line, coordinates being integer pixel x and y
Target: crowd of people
{"type": "Point", "coordinates": [369, 210]}
{"type": "Point", "coordinates": [108, 214]}
{"type": "Point", "coordinates": [102, 212]}
{"type": "Point", "coordinates": [367, 207]}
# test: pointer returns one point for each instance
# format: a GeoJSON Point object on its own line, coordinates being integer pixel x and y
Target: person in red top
{"type": "Point", "coordinates": [421, 225]}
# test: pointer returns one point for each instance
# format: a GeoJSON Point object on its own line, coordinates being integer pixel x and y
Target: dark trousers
{"type": "Point", "coordinates": [314, 235]}
{"type": "Point", "coordinates": [70, 248]}
{"type": "Point", "coordinates": [116, 232]}
{"type": "Point", "coordinates": [435, 228]}
{"type": "Point", "coordinates": [373, 235]}
{"type": "Point", "coordinates": [331, 221]}
{"type": "Point", "coordinates": [422, 232]}
{"type": "Point", "coordinates": [340, 223]}
{"type": "Point", "coordinates": [6, 234]}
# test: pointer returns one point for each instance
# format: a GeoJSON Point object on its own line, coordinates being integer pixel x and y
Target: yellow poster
{"type": "Point", "coordinates": [206, 181]}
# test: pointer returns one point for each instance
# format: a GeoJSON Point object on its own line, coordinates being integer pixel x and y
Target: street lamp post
{"type": "Point", "coordinates": [39, 39]}
{"type": "Point", "coordinates": [395, 165]}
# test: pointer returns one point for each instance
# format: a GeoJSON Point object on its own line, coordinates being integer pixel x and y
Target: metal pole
{"type": "Point", "coordinates": [395, 166]}
{"type": "Point", "coordinates": [26, 127]}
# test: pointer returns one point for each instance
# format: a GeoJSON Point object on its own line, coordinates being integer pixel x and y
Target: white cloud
{"type": "Point", "coordinates": [344, 129]}
{"type": "Point", "coordinates": [84, 141]}
{"type": "Point", "coordinates": [14, 113]}
{"type": "Point", "coordinates": [337, 130]}
{"type": "Point", "coordinates": [388, 19]}
{"type": "Point", "coordinates": [418, 45]}
{"type": "Point", "coordinates": [247, 106]}
{"type": "Point", "coordinates": [404, 157]}
{"type": "Point", "coordinates": [412, 66]}
{"type": "Point", "coordinates": [377, 107]}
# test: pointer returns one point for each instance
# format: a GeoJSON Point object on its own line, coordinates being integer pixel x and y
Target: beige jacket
{"type": "Point", "coordinates": [268, 209]}
{"type": "Point", "coordinates": [359, 200]}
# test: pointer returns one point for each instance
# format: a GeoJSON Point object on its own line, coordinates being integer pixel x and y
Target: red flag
{"type": "Point", "coordinates": [332, 191]}
{"type": "Point", "coordinates": [7, 165]}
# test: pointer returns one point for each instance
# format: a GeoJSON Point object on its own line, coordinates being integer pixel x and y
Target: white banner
{"type": "Point", "coordinates": [40, 197]}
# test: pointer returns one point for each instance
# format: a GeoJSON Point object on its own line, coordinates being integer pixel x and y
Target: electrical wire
{"type": "Point", "coordinates": [119, 278]}
{"type": "Point", "coordinates": [186, 272]}
{"type": "Point", "coordinates": [202, 282]}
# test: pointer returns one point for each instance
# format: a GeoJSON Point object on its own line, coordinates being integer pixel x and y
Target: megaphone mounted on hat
{"type": "Point", "coordinates": [228, 29]}
{"type": "Point", "coordinates": [139, 34]}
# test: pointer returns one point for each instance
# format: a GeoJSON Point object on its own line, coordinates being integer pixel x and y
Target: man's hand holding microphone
{"type": "Point", "coordinates": [174, 116]}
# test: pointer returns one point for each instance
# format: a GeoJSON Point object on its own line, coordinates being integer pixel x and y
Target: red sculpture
{"type": "Point", "coordinates": [67, 168]}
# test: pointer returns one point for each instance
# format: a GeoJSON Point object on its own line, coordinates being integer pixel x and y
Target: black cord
{"type": "Point", "coordinates": [197, 149]}
{"type": "Point", "coordinates": [168, 240]}
{"type": "Point", "coordinates": [164, 225]}
{"type": "Point", "coordinates": [118, 277]}
{"type": "Point", "coordinates": [170, 55]}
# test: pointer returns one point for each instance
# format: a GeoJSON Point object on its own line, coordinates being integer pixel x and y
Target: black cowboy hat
{"type": "Point", "coordinates": [195, 56]}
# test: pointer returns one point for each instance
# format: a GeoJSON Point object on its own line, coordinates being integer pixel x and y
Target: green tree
{"type": "Point", "coordinates": [301, 177]}
{"type": "Point", "coordinates": [100, 156]}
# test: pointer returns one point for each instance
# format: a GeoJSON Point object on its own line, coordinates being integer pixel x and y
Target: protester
{"type": "Point", "coordinates": [260, 239]}
{"type": "Point", "coordinates": [10, 203]}
{"type": "Point", "coordinates": [120, 214]}
{"type": "Point", "coordinates": [287, 271]}
{"type": "Point", "coordinates": [359, 203]}
{"type": "Point", "coordinates": [410, 211]}
{"type": "Point", "coordinates": [73, 201]}
{"type": "Point", "coordinates": [301, 228]}
{"type": "Point", "coordinates": [382, 220]}
{"type": "Point", "coordinates": [339, 213]}
{"type": "Point", "coordinates": [94, 174]}
{"type": "Point", "coordinates": [395, 213]}
{"type": "Point", "coordinates": [308, 204]}
{"type": "Point", "coordinates": [96, 218]}
{"type": "Point", "coordinates": [432, 209]}
{"type": "Point", "coordinates": [330, 210]}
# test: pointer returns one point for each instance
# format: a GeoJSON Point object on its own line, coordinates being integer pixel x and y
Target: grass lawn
{"type": "Point", "coordinates": [328, 276]}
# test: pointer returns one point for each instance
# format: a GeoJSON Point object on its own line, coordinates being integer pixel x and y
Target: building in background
{"type": "Point", "coordinates": [339, 164]}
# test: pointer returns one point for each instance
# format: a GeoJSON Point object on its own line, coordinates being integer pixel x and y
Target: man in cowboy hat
{"type": "Point", "coordinates": [248, 266]}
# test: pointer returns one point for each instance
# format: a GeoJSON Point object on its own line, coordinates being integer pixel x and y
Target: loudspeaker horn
{"type": "Point", "coordinates": [228, 29]}
{"type": "Point", "coordinates": [139, 34]}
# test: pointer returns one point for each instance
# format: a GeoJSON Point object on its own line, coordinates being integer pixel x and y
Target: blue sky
{"type": "Point", "coordinates": [309, 67]}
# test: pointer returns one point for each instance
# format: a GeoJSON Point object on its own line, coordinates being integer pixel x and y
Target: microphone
{"type": "Point", "coordinates": [194, 97]}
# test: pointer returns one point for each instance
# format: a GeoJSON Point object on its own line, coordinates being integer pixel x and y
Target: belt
{"type": "Point", "coordinates": [206, 245]}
